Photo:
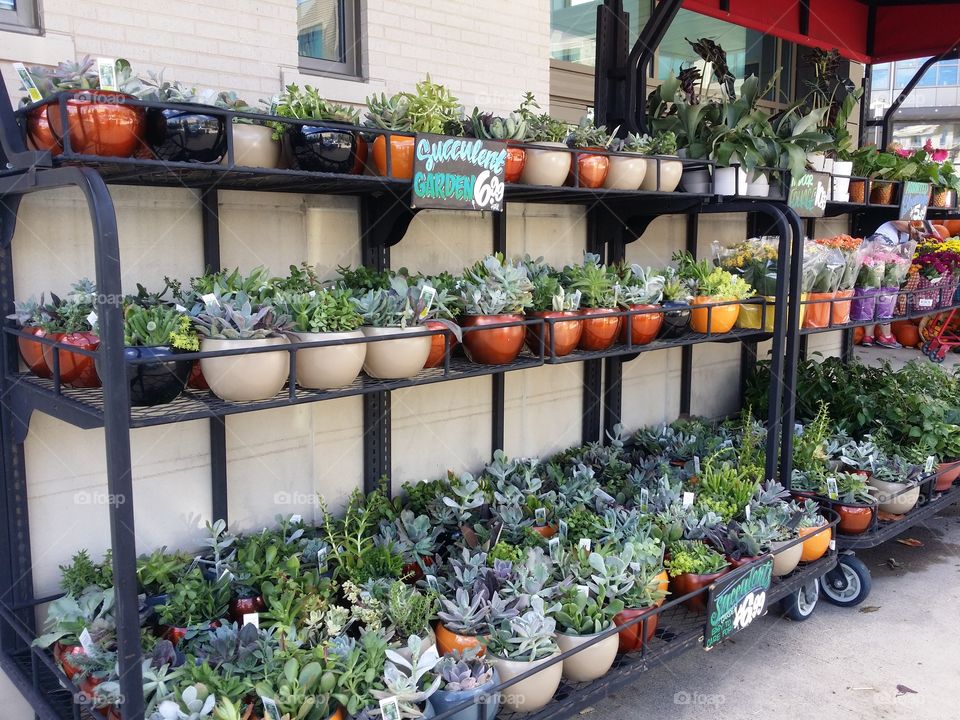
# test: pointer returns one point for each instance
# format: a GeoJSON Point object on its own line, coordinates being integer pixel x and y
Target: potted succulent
{"type": "Point", "coordinates": [197, 134]}
{"type": "Point", "coordinates": [558, 309]}
{"type": "Point", "coordinates": [662, 173]}
{"type": "Point", "coordinates": [628, 169]}
{"type": "Point", "coordinates": [305, 687]}
{"type": "Point", "coordinates": [73, 323]}
{"type": "Point", "coordinates": [463, 620]}
{"type": "Point", "coordinates": [327, 145]}
{"type": "Point", "coordinates": [494, 290]}
{"type": "Point", "coordinates": [442, 314]}
{"type": "Point", "coordinates": [511, 129]}
{"type": "Point", "coordinates": [192, 701]}
{"type": "Point", "coordinates": [253, 142]}
{"type": "Point", "coordinates": [324, 315]}
{"type": "Point", "coordinates": [692, 566]}
{"type": "Point", "coordinates": [816, 541]}
{"type": "Point", "coordinates": [158, 572]}
{"type": "Point", "coordinates": [31, 316]}
{"type": "Point", "coordinates": [856, 505]}
{"type": "Point", "coordinates": [897, 488]}
{"type": "Point", "coordinates": [409, 613]}
{"type": "Point", "coordinates": [68, 617]}
{"type": "Point", "coordinates": [233, 322]}
{"type": "Point", "coordinates": [713, 285]}
{"type": "Point", "coordinates": [592, 168]}
{"type": "Point", "coordinates": [677, 294]}
{"type": "Point", "coordinates": [544, 165]}
{"type": "Point", "coordinates": [581, 618]}
{"type": "Point", "coordinates": [466, 676]}
{"type": "Point", "coordinates": [521, 644]}
{"type": "Point", "coordinates": [194, 604]}
{"type": "Point", "coordinates": [598, 299]}
{"type": "Point", "coordinates": [410, 681]}
{"type": "Point", "coordinates": [641, 289]}
{"type": "Point", "coordinates": [415, 538]}
{"type": "Point", "coordinates": [99, 122]}
{"type": "Point", "coordinates": [649, 590]}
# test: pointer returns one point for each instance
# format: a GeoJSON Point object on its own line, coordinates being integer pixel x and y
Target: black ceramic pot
{"type": "Point", "coordinates": [186, 136]}
{"type": "Point", "coordinates": [157, 382]}
{"type": "Point", "coordinates": [675, 322]}
{"type": "Point", "coordinates": [322, 148]}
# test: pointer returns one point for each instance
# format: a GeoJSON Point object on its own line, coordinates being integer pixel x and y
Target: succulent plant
{"type": "Point", "coordinates": [465, 670]}
{"type": "Point", "coordinates": [309, 104]}
{"type": "Point", "coordinates": [466, 495]}
{"type": "Point", "coordinates": [30, 313]}
{"type": "Point", "coordinates": [467, 613]}
{"type": "Point", "coordinates": [491, 127]}
{"type": "Point", "coordinates": [581, 613]}
{"type": "Point", "coordinates": [191, 703]}
{"type": "Point", "coordinates": [412, 681]}
{"type": "Point", "coordinates": [594, 280]}
{"type": "Point", "coordinates": [237, 318]}
{"type": "Point", "coordinates": [527, 637]}
{"type": "Point", "coordinates": [494, 286]}
{"type": "Point", "coordinates": [751, 538]}
{"type": "Point", "coordinates": [81, 75]}
{"type": "Point", "coordinates": [158, 325]}
{"type": "Point", "coordinates": [389, 113]}
{"type": "Point", "coordinates": [588, 135]}
{"type": "Point", "coordinates": [639, 285]}
{"type": "Point", "coordinates": [319, 311]}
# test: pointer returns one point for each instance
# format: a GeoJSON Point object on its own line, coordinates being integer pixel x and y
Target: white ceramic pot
{"type": "Point", "coordinates": [895, 505]}
{"type": "Point", "coordinates": [758, 184]}
{"type": "Point", "coordinates": [820, 162]}
{"type": "Point", "coordinates": [842, 169]}
{"type": "Point", "coordinates": [333, 366]}
{"type": "Point", "coordinates": [254, 146]}
{"type": "Point", "coordinates": [242, 378]}
{"type": "Point", "coordinates": [670, 172]}
{"type": "Point", "coordinates": [590, 663]}
{"type": "Point", "coordinates": [533, 692]}
{"type": "Point", "coordinates": [785, 561]}
{"type": "Point", "coordinates": [625, 173]}
{"type": "Point", "coordinates": [696, 181]}
{"type": "Point", "coordinates": [546, 167]}
{"type": "Point", "coordinates": [730, 180]}
{"type": "Point", "coordinates": [398, 357]}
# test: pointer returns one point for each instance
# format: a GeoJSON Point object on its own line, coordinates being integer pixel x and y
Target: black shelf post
{"type": "Point", "coordinates": [498, 403]}
{"type": "Point", "coordinates": [686, 352]}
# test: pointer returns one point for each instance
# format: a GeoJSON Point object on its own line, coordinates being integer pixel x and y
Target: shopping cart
{"type": "Point", "coordinates": [940, 333]}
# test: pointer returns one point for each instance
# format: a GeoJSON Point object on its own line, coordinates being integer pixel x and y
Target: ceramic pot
{"type": "Point", "coordinates": [889, 501]}
{"type": "Point", "coordinates": [881, 193]}
{"type": "Point", "coordinates": [244, 606]}
{"type": "Point", "coordinates": [331, 366]}
{"type": "Point", "coordinates": [840, 308]}
{"type": "Point", "coordinates": [427, 641]}
{"type": "Point", "coordinates": [842, 170]}
{"type": "Point", "coordinates": [696, 181]}
{"type": "Point", "coordinates": [814, 546]}
{"type": "Point", "coordinates": [670, 173]}
{"type": "Point", "coordinates": [818, 313]}
{"type": "Point", "coordinates": [715, 320]}
{"type": "Point", "coordinates": [730, 180]}
{"type": "Point", "coordinates": [254, 146]}
{"type": "Point", "coordinates": [591, 662]}
{"type": "Point", "coordinates": [625, 172]}
{"type": "Point", "coordinates": [448, 641]}
{"type": "Point", "coordinates": [401, 156]}
{"type": "Point", "coordinates": [630, 639]}
{"type": "Point", "coordinates": [360, 157]}
{"type": "Point", "coordinates": [643, 328]}
{"type": "Point", "coordinates": [32, 352]}
{"type": "Point", "coordinates": [158, 382]}
{"type": "Point", "coordinates": [545, 531]}
{"type": "Point", "coordinates": [186, 135]}
{"type": "Point", "coordinates": [243, 378]}
{"type": "Point", "coordinates": [688, 582]}
{"type": "Point", "coordinates": [740, 561]}
{"type": "Point", "coordinates": [947, 474]}
{"type": "Point", "coordinates": [819, 162]}
{"type": "Point", "coordinates": [785, 561]}
{"type": "Point", "coordinates": [758, 184]}
{"type": "Point", "coordinates": [39, 134]}
{"type": "Point", "coordinates": [496, 346]}
{"type": "Point", "coordinates": [62, 654]}
{"type": "Point", "coordinates": [75, 369]}
{"type": "Point", "coordinates": [546, 167]}
{"type": "Point", "coordinates": [853, 519]}
{"type": "Point", "coordinates": [516, 159]}
{"type": "Point", "coordinates": [663, 586]}
{"type": "Point", "coordinates": [197, 381]}
{"type": "Point", "coordinates": [533, 692]}
{"type": "Point", "coordinates": [676, 319]}
{"type": "Point", "coordinates": [100, 122]}
{"type": "Point", "coordinates": [592, 169]}
{"type": "Point", "coordinates": [438, 346]}
{"type": "Point", "coordinates": [600, 328]}
{"type": "Point", "coordinates": [566, 333]}
{"type": "Point", "coordinates": [412, 573]}
{"type": "Point", "coordinates": [396, 358]}
{"type": "Point", "coordinates": [322, 148]}
{"type": "Point", "coordinates": [443, 700]}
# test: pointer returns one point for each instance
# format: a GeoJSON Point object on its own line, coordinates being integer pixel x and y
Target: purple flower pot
{"type": "Point", "coordinates": [864, 304]}
{"type": "Point", "coordinates": [886, 299]}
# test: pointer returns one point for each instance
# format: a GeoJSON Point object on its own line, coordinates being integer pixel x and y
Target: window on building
{"type": "Point", "coordinates": [328, 36]}
{"type": "Point", "coordinates": [880, 77]}
{"type": "Point", "coordinates": [573, 28]}
{"type": "Point", "coordinates": [19, 15]}
{"type": "Point", "coordinates": [947, 75]}
{"type": "Point", "coordinates": [905, 69]}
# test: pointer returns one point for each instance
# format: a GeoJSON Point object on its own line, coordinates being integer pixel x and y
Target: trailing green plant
{"type": "Point", "coordinates": [695, 558]}
{"type": "Point", "coordinates": [319, 311]}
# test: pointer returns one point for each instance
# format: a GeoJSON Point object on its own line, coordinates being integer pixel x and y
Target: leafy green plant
{"type": "Point", "coordinates": [409, 610]}
{"type": "Point", "coordinates": [69, 616]}
{"type": "Point", "coordinates": [309, 104]}
{"type": "Point", "coordinates": [157, 326]}
{"type": "Point", "coordinates": [319, 311]}
{"type": "Point", "coordinates": [428, 109]}
{"type": "Point", "coordinates": [541, 127]}
{"type": "Point", "coordinates": [694, 557]}
{"type": "Point", "coordinates": [594, 280]}
{"type": "Point", "coordinates": [306, 688]}
{"type": "Point", "coordinates": [82, 574]}
{"type": "Point", "coordinates": [81, 75]}
{"type": "Point", "coordinates": [158, 571]}
{"type": "Point", "coordinates": [194, 600]}
{"type": "Point", "coordinates": [581, 614]}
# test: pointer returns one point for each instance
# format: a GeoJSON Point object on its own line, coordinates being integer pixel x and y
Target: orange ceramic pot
{"type": "Point", "coordinates": [663, 585]}
{"type": "Point", "coordinates": [545, 531]}
{"type": "Point", "coordinates": [818, 313]}
{"type": "Point", "coordinates": [814, 546]}
{"type": "Point", "coordinates": [516, 158]}
{"type": "Point", "coordinates": [906, 332]}
{"type": "Point", "coordinates": [32, 353]}
{"type": "Point", "coordinates": [496, 346]}
{"type": "Point", "coordinates": [62, 654]}
{"type": "Point", "coordinates": [401, 156]}
{"type": "Point", "coordinates": [600, 328]}
{"type": "Point", "coordinates": [448, 641]}
{"type": "Point", "coordinates": [948, 472]}
{"type": "Point", "coordinates": [881, 193]}
{"type": "Point", "coordinates": [631, 638]}
{"type": "Point", "coordinates": [566, 333]}
{"type": "Point", "coordinates": [688, 582]}
{"type": "Point", "coordinates": [39, 134]}
{"type": "Point", "coordinates": [591, 168]}
{"type": "Point", "coordinates": [338, 715]}
{"type": "Point", "coordinates": [644, 327]}
{"type": "Point", "coordinates": [853, 519]}
{"type": "Point", "coordinates": [713, 320]}
{"type": "Point", "coordinates": [360, 159]}
{"type": "Point", "coordinates": [75, 369]}
{"type": "Point", "coordinates": [100, 122]}
{"type": "Point", "coordinates": [437, 344]}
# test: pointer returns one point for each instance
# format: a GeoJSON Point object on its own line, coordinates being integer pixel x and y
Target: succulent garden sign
{"type": "Point", "coordinates": [809, 193]}
{"type": "Point", "coordinates": [458, 173]}
{"type": "Point", "coordinates": [736, 600]}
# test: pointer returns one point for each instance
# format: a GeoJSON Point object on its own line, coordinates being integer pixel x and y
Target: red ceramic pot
{"type": "Point", "coordinates": [32, 353]}
{"type": "Point", "coordinates": [643, 327]}
{"type": "Point", "coordinates": [39, 134]}
{"type": "Point", "coordinates": [591, 168]}
{"type": "Point", "coordinates": [516, 159]}
{"type": "Point", "coordinates": [631, 638]}
{"type": "Point", "coordinates": [599, 328]}
{"type": "Point", "coordinates": [496, 346]}
{"type": "Point", "coordinates": [244, 606]}
{"type": "Point", "coordinates": [75, 369]}
{"type": "Point", "coordinates": [545, 531]}
{"type": "Point", "coordinates": [437, 344]}
{"type": "Point", "coordinates": [100, 122]}
{"type": "Point", "coordinates": [62, 653]}
{"type": "Point", "coordinates": [566, 333]}
{"type": "Point", "coordinates": [948, 472]}
{"type": "Point", "coordinates": [853, 520]}
{"type": "Point", "coordinates": [688, 582]}
{"type": "Point", "coordinates": [196, 380]}
{"type": "Point", "coordinates": [413, 573]}
{"type": "Point", "coordinates": [88, 684]}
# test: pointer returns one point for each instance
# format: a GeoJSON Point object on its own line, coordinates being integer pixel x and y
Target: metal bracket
{"type": "Point", "coordinates": [385, 219]}
{"type": "Point", "coordinates": [13, 149]}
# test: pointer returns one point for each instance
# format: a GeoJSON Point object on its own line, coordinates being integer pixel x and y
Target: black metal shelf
{"type": "Point", "coordinates": [864, 323]}
{"type": "Point", "coordinates": [690, 338]}
{"type": "Point", "coordinates": [888, 529]}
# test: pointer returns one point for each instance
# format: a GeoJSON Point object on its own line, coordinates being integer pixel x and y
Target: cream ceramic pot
{"type": "Point", "coordinates": [331, 366]}
{"type": "Point", "coordinates": [254, 146]}
{"type": "Point", "coordinates": [590, 663]}
{"type": "Point", "coordinates": [399, 357]}
{"type": "Point", "coordinates": [670, 172]}
{"type": "Point", "coordinates": [427, 641]}
{"type": "Point", "coordinates": [625, 173]}
{"type": "Point", "coordinates": [889, 501]}
{"type": "Point", "coordinates": [533, 692]}
{"type": "Point", "coordinates": [546, 167]}
{"type": "Point", "coordinates": [242, 378]}
{"type": "Point", "coordinates": [785, 561]}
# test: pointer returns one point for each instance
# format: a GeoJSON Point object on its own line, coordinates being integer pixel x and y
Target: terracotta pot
{"type": "Point", "coordinates": [337, 715]}
{"type": "Point", "coordinates": [814, 546]}
{"type": "Point", "coordinates": [741, 561]}
{"type": "Point", "coordinates": [853, 520]}
{"type": "Point", "coordinates": [32, 352]}
{"type": "Point", "coordinates": [437, 344]}
{"type": "Point", "coordinates": [906, 332]}
{"type": "Point", "coordinates": [670, 173]}
{"type": "Point", "coordinates": [75, 369]}
{"type": "Point", "coordinates": [818, 313]}
{"type": "Point", "coordinates": [625, 172]}
{"type": "Point", "coordinates": [546, 167]}
{"type": "Point", "coordinates": [630, 639]}
{"type": "Point", "coordinates": [401, 156]}
{"type": "Point", "coordinates": [889, 501]}
{"type": "Point", "coordinates": [663, 586]}
{"type": "Point", "coordinates": [100, 122]}
{"type": "Point", "coordinates": [688, 583]}
{"type": "Point", "coordinates": [516, 159]}
{"type": "Point", "coordinates": [600, 328]}
{"type": "Point", "coordinates": [545, 531]}
{"type": "Point", "coordinates": [496, 346]}
{"type": "Point", "coordinates": [243, 378]}
{"type": "Point", "coordinates": [448, 641]}
{"type": "Point", "coordinates": [244, 606]}
{"type": "Point", "coordinates": [785, 561]}
{"type": "Point", "coordinates": [592, 169]}
{"type": "Point", "coordinates": [840, 308]}
{"type": "Point", "coordinates": [254, 146]}
{"type": "Point", "coordinates": [196, 380]}
{"type": "Point", "coordinates": [858, 191]}
{"type": "Point", "coordinates": [588, 663]}
{"type": "Point", "coordinates": [948, 472]}
{"type": "Point", "coordinates": [881, 193]}
{"type": "Point", "coordinates": [533, 692]}
{"type": "Point", "coordinates": [566, 333]}
{"type": "Point", "coordinates": [62, 653]}
{"type": "Point", "coordinates": [39, 134]}
{"type": "Point", "coordinates": [643, 328]}
{"type": "Point", "coordinates": [721, 319]}
{"type": "Point", "coordinates": [332, 366]}
{"type": "Point", "coordinates": [396, 358]}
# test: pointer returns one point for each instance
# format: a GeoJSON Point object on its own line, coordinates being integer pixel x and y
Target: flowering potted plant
{"type": "Point", "coordinates": [712, 285]}
{"type": "Point", "coordinates": [868, 283]}
{"type": "Point", "coordinates": [851, 250]}
{"type": "Point", "coordinates": [934, 167]}
{"type": "Point", "coordinates": [896, 265]}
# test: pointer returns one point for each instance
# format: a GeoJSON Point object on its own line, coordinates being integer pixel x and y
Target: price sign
{"type": "Point", "coordinates": [736, 600]}
{"type": "Point", "coordinates": [809, 193]}
{"type": "Point", "coordinates": [458, 173]}
{"type": "Point", "coordinates": [913, 201]}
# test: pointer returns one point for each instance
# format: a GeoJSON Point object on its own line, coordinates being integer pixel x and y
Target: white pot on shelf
{"type": "Point", "coordinates": [785, 561]}
{"type": "Point", "coordinates": [670, 173]}
{"type": "Point", "coordinates": [819, 162]}
{"type": "Point", "coordinates": [533, 692]}
{"type": "Point", "coordinates": [399, 357]}
{"type": "Point", "coordinates": [842, 169]}
{"type": "Point", "coordinates": [889, 501]}
{"type": "Point", "coordinates": [254, 146]}
{"type": "Point", "coordinates": [590, 663]}
{"type": "Point", "coordinates": [758, 184]}
{"type": "Point", "coordinates": [331, 366]}
{"type": "Point", "coordinates": [546, 167]}
{"type": "Point", "coordinates": [625, 172]}
{"type": "Point", "coordinates": [243, 378]}
{"type": "Point", "coordinates": [730, 180]}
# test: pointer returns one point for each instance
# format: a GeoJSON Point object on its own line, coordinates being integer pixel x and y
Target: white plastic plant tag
{"type": "Point", "coordinates": [92, 319]}
{"type": "Point", "coordinates": [928, 466]}
{"type": "Point", "coordinates": [833, 544]}
{"type": "Point", "coordinates": [389, 708]}
{"type": "Point", "coordinates": [27, 81]}
{"type": "Point", "coordinates": [603, 496]}
{"type": "Point", "coordinates": [746, 512]}
{"type": "Point", "coordinates": [296, 519]}
{"type": "Point", "coordinates": [107, 70]}
{"type": "Point", "coordinates": [925, 302]}
{"type": "Point", "coordinates": [832, 492]}
{"type": "Point", "coordinates": [696, 464]}
{"type": "Point", "coordinates": [86, 642]}
{"type": "Point", "coordinates": [270, 709]}
{"type": "Point", "coordinates": [540, 515]}
{"type": "Point", "coordinates": [210, 299]}
{"type": "Point", "coordinates": [584, 544]}
{"type": "Point", "coordinates": [688, 499]}
{"type": "Point", "coordinates": [644, 499]}
{"type": "Point", "coordinates": [432, 582]}
{"type": "Point", "coordinates": [562, 529]}
{"type": "Point", "coordinates": [427, 294]}
{"type": "Point", "coordinates": [180, 308]}
{"type": "Point", "coordinates": [252, 619]}
{"type": "Point", "coordinates": [312, 293]}
{"type": "Point", "coordinates": [553, 545]}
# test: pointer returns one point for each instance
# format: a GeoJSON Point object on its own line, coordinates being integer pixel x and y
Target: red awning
{"type": "Point", "coordinates": [901, 29]}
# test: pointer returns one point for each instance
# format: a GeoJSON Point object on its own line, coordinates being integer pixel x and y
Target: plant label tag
{"type": "Point", "coordinates": [27, 81]}
{"type": "Point", "coordinates": [312, 293]}
{"type": "Point", "coordinates": [432, 582]}
{"type": "Point", "coordinates": [583, 590]}
{"type": "Point", "coordinates": [495, 532]}
{"type": "Point", "coordinates": [270, 709]}
{"type": "Point", "coordinates": [584, 544]}
{"type": "Point", "coordinates": [107, 70]}
{"type": "Point", "coordinates": [86, 642]}
{"type": "Point", "coordinates": [603, 496]}
{"type": "Point", "coordinates": [179, 308]}
{"type": "Point", "coordinates": [553, 545]}
{"type": "Point", "coordinates": [389, 708]}
{"type": "Point", "coordinates": [832, 492]}
{"type": "Point", "coordinates": [252, 619]}
{"type": "Point", "coordinates": [92, 319]}
{"type": "Point", "coordinates": [687, 499]}
{"type": "Point", "coordinates": [696, 464]}
{"type": "Point", "coordinates": [644, 499]}
{"type": "Point", "coordinates": [427, 295]}
{"type": "Point", "coordinates": [562, 529]}
{"type": "Point", "coordinates": [296, 519]}
{"type": "Point", "coordinates": [833, 544]}
{"type": "Point", "coordinates": [540, 514]}
{"type": "Point", "coordinates": [746, 512]}
{"type": "Point", "coordinates": [210, 299]}
{"type": "Point", "coordinates": [928, 466]}
{"type": "Point", "coordinates": [925, 302]}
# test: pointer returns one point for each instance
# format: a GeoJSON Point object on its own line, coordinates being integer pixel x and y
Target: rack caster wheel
{"type": "Point", "coordinates": [848, 584]}
{"type": "Point", "coordinates": [799, 606]}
